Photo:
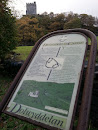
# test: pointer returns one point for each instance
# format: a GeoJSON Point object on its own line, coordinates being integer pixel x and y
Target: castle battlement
{"type": "Point", "coordinates": [31, 3]}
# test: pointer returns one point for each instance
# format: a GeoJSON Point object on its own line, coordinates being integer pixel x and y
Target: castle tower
{"type": "Point", "coordinates": [31, 8]}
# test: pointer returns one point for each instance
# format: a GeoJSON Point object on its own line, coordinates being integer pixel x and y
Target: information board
{"type": "Point", "coordinates": [47, 91]}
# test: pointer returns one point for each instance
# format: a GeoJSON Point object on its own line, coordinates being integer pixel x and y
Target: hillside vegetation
{"type": "Point", "coordinates": [31, 28]}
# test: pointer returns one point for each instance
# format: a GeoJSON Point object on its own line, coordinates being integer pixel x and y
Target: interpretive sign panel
{"type": "Point", "coordinates": [47, 91]}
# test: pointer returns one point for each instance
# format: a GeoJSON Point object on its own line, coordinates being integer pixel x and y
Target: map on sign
{"type": "Point", "coordinates": [48, 89]}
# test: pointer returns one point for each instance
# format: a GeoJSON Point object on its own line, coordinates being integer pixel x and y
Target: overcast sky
{"type": "Point", "coordinates": [89, 7]}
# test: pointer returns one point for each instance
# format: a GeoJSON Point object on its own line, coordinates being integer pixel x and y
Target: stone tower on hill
{"type": "Point", "coordinates": [31, 8]}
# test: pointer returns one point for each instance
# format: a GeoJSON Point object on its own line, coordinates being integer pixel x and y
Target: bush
{"type": "Point", "coordinates": [8, 31]}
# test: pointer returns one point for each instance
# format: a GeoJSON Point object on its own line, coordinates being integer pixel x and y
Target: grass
{"type": "Point", "coordinates": [11, 123]}
{"type": "Point", "coordinates": [23, 52]}
{"type": "Point", "coordinates": [89, 43]}
{"type": "Point", "coordinates": [97, 38]}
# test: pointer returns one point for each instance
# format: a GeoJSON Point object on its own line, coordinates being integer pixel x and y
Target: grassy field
{"type": "Point", "coordinates": [23, 52]}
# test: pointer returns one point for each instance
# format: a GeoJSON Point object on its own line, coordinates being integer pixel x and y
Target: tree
{"type": "Point", "coordinates": [44, 22]}
{"type": "Point", "coordinates": [61, 20]}
{"type": "Point", "coordinates": [55, 26]}
{"type": "Point", "coordinates": [8, 34]}
{"type": "Point", "coordinates": [57, 22]}
{"type": "Point", "coordinates": [74, 23]}
{"type": "Point", "coordinates": [87, 20]}
{"type": "Point", "coordinates": [70, 16]}
{"type": "Point", "coordinates": [29, 30]}
{"type": "Point", "coordinates": [51, 15]}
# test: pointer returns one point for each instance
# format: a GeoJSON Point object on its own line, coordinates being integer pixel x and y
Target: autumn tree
{"type": "Point", "coordinates": [8, 32]}
{"type": "Point", "coordinates": [29, 30]}
{"type": "Point", "coordinates": [57, 22]}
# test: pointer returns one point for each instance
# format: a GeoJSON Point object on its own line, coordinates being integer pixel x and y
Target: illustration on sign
{"type": "Point", "coordinates": [48, 88]}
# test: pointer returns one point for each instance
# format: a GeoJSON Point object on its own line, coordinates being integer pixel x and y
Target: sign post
{"type": "Point", "coordinates": [46, 89]}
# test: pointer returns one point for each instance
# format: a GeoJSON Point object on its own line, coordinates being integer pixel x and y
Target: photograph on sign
{"type": "Point", "coordinates": [48, 89]}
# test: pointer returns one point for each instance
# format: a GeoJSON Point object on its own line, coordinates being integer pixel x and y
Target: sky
{"type": "Point", "coordinates": [89, 7]}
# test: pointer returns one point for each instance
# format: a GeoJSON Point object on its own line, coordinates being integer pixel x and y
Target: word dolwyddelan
{"type": "Point", "coordinates": [44, 118]}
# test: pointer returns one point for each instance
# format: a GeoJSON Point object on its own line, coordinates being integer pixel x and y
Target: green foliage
{"type": "Point", "coordinates": [11, 123]}
{"type": "Point", "coordinates": [44, 22]}
{"type": "Point", "coordinates": [8, 40]}
{"type": "Point", "coordinates": [55, 26]}
{"type": "Point", "coordinates": [29, 30]}
{"type": "Point", "coordinates": [87, 20]}
{"type": "Point", "coordinates": [74, 23]}
{"type": "Point", "coordinates": [4, 84]}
